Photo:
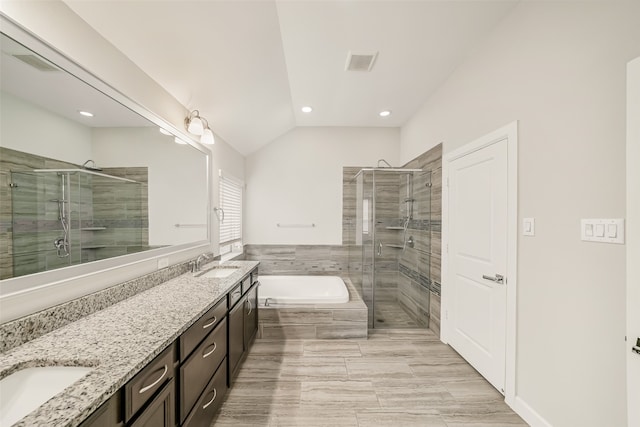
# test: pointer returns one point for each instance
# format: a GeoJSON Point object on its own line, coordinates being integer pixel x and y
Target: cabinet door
{"type": "Point", "coordinates": [161, 411]}
{"type": "Point", "coordinates": [236, 337]}
{"type": "Point", "coordinates": [250, 316]}
{"type": "Point", "coordinates": [107, 415]}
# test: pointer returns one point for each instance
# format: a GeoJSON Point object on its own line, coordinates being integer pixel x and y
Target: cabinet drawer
{"type": "Point", "coordinates": [196, 372]}
{"type": "Point", "coordinates": [210, 401]}
{"type": "Point", "coordinates": [246, 284]}
{"type": "Point", "coordinates": [190, 339]}
{"type": "Point", "coordinates": [235, 295]}
{"type": "Point", "coordinates": [161, 411]}
{"type": "Point", "coordinates": [144, 385]}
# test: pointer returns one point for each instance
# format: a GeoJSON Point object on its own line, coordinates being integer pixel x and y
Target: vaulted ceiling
{"type": "Point", "coordinates": [249, 66]}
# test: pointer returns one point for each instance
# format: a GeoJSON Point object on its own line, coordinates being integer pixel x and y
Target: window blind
{"type": "Point", "coordinates": [231, 204]}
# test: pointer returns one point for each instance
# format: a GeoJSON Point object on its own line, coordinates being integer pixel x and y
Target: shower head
{"type": "Point", "coordinates": [93, 166]}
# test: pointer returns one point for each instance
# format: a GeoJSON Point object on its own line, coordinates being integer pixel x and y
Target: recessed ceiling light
{"type": "Point", "coordinates": [165, 132]}
{"type": "Point", "coordinates": [385, 113]}
{"type": "Point", "coordinates": [306, 109]}
{"type": "Point", "coordinates": [86, 113]}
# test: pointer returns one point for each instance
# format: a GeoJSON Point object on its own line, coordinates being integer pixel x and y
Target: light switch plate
{"type": "Point", "coordinates": [602, 230]}
{"type": "Point", "coordinates": [528, 226]}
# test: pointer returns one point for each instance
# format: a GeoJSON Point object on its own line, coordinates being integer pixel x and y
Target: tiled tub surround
{"type": "Point", "coordinates": [330, 260]}
{"type": "Point", "coordinates": [117, 341]}
{"type": "Point", "coordinates": [108, 217]}
{"type": "Point", "coordinates": [315, 321]}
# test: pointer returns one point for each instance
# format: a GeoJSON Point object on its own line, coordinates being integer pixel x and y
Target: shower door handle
{"type": "Point", "coordinates": [379, 248]}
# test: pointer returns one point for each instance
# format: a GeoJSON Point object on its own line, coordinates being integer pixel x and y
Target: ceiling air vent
{"type": "Point", "coordinates": [36, 62]}
{"type": "Point", "coordinates": [360, 61]}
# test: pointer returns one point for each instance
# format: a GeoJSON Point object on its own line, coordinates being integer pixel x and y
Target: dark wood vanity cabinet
{"type": "Point", "coordinates": [108, 415]}
{"type": "Point", "coordinates": [186, 383]}
{"type": "Point", "coordinates": [243, 324]}
{"type": "Point", "coordinates": [161, 410]}
{"type": "Point", "coordinates": [250, 316]}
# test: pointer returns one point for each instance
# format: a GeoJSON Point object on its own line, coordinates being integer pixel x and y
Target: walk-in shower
{"type": "Point", "coordinates": [63, 217]}
{"type": "Point", "coordinates": [390, 244]}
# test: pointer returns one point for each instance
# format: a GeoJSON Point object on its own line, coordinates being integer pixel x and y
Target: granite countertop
{"type": "Point", "coordinates": [117, 342]}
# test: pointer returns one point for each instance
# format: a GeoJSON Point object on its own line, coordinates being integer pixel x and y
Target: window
{"type": "Point", "coordinates": [231, 222]}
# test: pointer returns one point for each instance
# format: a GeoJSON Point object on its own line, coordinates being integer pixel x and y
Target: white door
{"type": "Point", "coordinates": [633, 241]}
{"type": "Point", "coordinates": [477, 258]}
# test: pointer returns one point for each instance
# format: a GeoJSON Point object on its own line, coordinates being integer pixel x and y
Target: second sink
{"type": "Point", "coordinates": [219, 272]}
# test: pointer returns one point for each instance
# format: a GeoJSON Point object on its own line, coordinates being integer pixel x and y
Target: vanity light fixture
{"type": "Point", "coordinates": [385, 113]}
{"type": "Point", "coordinates": [306, 109]}
{"type": "Point", "coordinates": [193, 123]}
{"type": "Point", "coordinates": [207, 137]}
{"type": "Point", "coordinates": [165, 132]}
{"type": "Point", "coordinates": [85, 113]}
{"type": "Point", "coordinates": [198, 125]}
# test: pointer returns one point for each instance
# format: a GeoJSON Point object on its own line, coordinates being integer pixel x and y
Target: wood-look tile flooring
{"type": "Point", "coordinates": [395, 378]}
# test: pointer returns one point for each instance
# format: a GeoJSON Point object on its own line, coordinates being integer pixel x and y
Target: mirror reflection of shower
{"type": "Point", "coordinates": [62, 243]}
{"type": "Point", "coordinates": [68, 216]}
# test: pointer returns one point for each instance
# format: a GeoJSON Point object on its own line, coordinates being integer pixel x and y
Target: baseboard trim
{"type": "Point", "coordinates": [528, 414]}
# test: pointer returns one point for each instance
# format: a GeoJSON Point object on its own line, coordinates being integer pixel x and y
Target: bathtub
{"type": "Point", "coordinates": [302, 290]}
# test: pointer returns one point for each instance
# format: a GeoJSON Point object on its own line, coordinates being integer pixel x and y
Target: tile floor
{"type": "Point", "coordinates": [390, 314]}
{"type": "Point", "coordinates": [397, 378]}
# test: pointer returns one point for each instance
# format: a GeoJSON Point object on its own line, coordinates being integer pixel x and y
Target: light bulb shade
{"type": "Point", "coordinates": [195, 126]}
{"type": "Point", "coordinates": [207, 137]}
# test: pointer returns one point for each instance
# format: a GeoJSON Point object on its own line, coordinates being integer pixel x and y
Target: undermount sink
{"type": "Point", "coordinates": [219, 272]}
{"type": "Point", "coordinates": [27, 389]}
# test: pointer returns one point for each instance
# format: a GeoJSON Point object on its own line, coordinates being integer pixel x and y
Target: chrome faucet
{"type": "Point", "coordinates": [197, 264]}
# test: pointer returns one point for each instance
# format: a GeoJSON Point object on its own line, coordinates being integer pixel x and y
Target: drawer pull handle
{"type": "Point", "coordinates": [211, 352]}
{"type": "Point", "coordinates": [250, 307]}
{"type": "Point", "coordinates": [150, 386]}
{"type": "Point", "coordinates": [215, 394]}
{"type": "Point", "coordinates": [208, 325]}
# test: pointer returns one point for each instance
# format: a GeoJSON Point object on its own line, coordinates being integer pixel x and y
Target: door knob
{"type": "Point", "coordinates": [498, 278]}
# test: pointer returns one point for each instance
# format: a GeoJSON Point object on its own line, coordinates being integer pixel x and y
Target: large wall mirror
{"type": "Point", "coordinates": [84, 178]}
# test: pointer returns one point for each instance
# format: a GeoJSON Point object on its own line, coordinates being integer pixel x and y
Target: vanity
{"type": "Point", "coordinates": [164, 357]}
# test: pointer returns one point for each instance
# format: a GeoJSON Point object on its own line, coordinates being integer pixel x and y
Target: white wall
{"type": "Point", "coordinates": [55, 137]}
{"type": "Point", "coordinates": [559, 69]}
{"type": "Point", "coordinates": [297, 179]}
{"type": "Point", "coordinates": [177, 179]}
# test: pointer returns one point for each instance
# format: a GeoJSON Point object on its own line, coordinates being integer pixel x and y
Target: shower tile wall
{"type": "Point", "coordinates": [122, 208]}
{"type": "Point", "coordinates": [26, 240]}
{"type": "Point", "coordinates": [426, 255]}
